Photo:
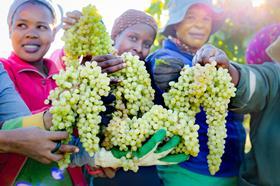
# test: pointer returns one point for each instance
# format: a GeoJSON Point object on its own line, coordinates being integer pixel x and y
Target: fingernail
{"type": "Point", "coordinates": [77, 150]}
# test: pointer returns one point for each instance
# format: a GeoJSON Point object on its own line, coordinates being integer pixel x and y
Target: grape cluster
{"type": "Point", "coordinates": [215, 103]}
{"type": "Point", "coordinates": [130, 134]}
{"type": "Point", "coordinates": [134, 94]}
{"type": "Point", "coordinates": [185, 96]}
{"type": "Point", "coordinates": [76, 102]}
{"type": "Point", "coordinates": [212, 89]}
{"type": "Point", "coordinates": [87, 37]}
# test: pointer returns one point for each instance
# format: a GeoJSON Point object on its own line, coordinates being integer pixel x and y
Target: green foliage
{"type": "Point", "coordinates": [156, 10]}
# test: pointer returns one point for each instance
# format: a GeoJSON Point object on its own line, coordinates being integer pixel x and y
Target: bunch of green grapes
{"type": "Point", "coordinates": [215, 103]}
{"type": "Point", "coordinates": [130, 134]}
{"type": "Point", "coordinates": [87, 37]}
{"type": "Point", "coordinates": [134, 94]}
{"type": "Point", "coordinates": [185, 96]}
{"type": "Point", "coordinates": [212, 89]}
{"type": "Point", "coordinates": [76, 102]}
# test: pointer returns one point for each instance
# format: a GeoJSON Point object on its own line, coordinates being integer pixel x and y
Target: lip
{"type": "Point", "coordinates": [31, 47]}
{"type": "Point", "coordinates": [134, 53]}
{"type": "Point", "coordinates": [197, 35]}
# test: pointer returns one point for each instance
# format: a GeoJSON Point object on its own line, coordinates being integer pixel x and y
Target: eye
{"type": "Point", "coordinates": [147, 46]}
{"type": "Point", "coordinates": [133, 38]}
{"type": "Point", "coordinates": [190, 17]}
{"type": "Point", "coordinates": [21, 25]}
{"type": "Point", "coordinates": [42, 27]}
{"type": "Point", "coordinates": [207, 19]}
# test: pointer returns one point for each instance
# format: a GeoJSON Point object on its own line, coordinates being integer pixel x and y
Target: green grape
{"type": "Point", "coordinates": [130, 134]}
{"type": "Point", "coordinates": [76, 102]}
{"type": "Point", "coordinates": [215, 103]}
{"type": "Point", "coordinates": [87, 37]}
{"type": "Point", "coordinates": [212, 89]}
{"type": "Point", "coordinates": [134, 94]}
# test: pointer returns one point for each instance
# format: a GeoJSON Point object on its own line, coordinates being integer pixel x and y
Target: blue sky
{"type": "Point", "coordinates": [109, 9]}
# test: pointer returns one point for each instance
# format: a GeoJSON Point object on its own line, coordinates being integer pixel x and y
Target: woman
{"type": "Point", "coordinates": [191, 23]}
{"type": "Point", "coordinates": [134, 31]}
{"type": "Point", "coordinates": [32, 26]}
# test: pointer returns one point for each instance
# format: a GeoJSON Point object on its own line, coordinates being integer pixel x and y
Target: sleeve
{"type": "Point", "coordinates": [27, 121]}
{"type": "Point", "coordinates": [7, 67]}
{"type": "Point", "coordinates": [150, 65]}
{"type": "Point", "coordinates": [11, 104]}
{"type": "Point", "coordinates": [164, 68]}
{"type": "Point", "coordinates": [258, 85]}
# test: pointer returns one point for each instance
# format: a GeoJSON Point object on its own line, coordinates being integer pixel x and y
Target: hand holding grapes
{"type": "Point", "coordinates": [209, 53]}
{"type": "Point", "coordinates": [71, 19]}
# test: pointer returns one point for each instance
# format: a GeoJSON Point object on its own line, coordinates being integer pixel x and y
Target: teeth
{"type": "Point", "coordinates": [31, 46]}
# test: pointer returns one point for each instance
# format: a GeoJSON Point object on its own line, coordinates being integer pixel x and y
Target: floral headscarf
{"type": "Point", "coordinates": [256, 51]}
{"type": "Point", "coordinates": [129, 18]}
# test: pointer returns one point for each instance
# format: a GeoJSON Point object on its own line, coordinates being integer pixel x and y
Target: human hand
{"type": "Point", "coordinates": [71, 19]}
{"type": "Point", "coordinates": [109, 63]}
{"type": "Point", "coordinates": [209, 53]}
{"type": "Point", "coordinates": [149, 154]}
{"type": "Point", "coordinates": [38, 144]}
{"type": "Point", "coordinates": [167, 70]}
{"type": "Point", "coordinates": [47, 118]}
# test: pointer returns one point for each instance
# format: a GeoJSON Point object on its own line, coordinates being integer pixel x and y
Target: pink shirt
{"type": "Point", "coordinates": [33, 86]}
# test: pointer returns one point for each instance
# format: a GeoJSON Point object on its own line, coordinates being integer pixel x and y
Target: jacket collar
{"type": "Point", "coordinates": [21, 66]}
{"type": "Point", "coordinates": [169, 44]}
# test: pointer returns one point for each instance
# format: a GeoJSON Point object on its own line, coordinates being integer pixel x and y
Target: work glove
{"type": "Point", "coordinates": [166, 71]}
{"type": "Point", "coordinates": [149, 154]}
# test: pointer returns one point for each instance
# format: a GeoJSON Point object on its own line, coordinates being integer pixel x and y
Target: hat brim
{"type": "Point", "coordinates": [218, 19]}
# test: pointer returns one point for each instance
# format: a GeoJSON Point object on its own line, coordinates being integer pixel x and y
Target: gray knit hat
{"type": "Point", "coordinates": [178, 10]}
{"type": "Point", "coordinates": [55, 9]}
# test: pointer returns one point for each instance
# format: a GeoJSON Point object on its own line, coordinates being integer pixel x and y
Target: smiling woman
{"type": "Point", "coordinates": [31, 35]}
{"type": "Point", "coordinates": [32, 27]}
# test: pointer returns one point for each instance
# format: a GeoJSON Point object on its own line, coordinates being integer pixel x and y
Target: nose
{"type": "Point", "coordinates": [199, 24]}
{"type": "Point", "coordinates": [32, 34]}
{"type": "Point", "coordinates": [137, 48]}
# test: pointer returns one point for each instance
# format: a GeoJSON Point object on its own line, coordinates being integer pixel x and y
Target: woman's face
{"type": "Point", "coordinates": [195, 29]}
{"type": "Point", "coordinates": [32, 31]}
{"type": "Point", "coordinates": [136, 39]}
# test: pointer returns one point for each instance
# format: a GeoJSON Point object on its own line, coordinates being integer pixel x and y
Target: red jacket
{"type": "Point", "coordinates": [34, 88]}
